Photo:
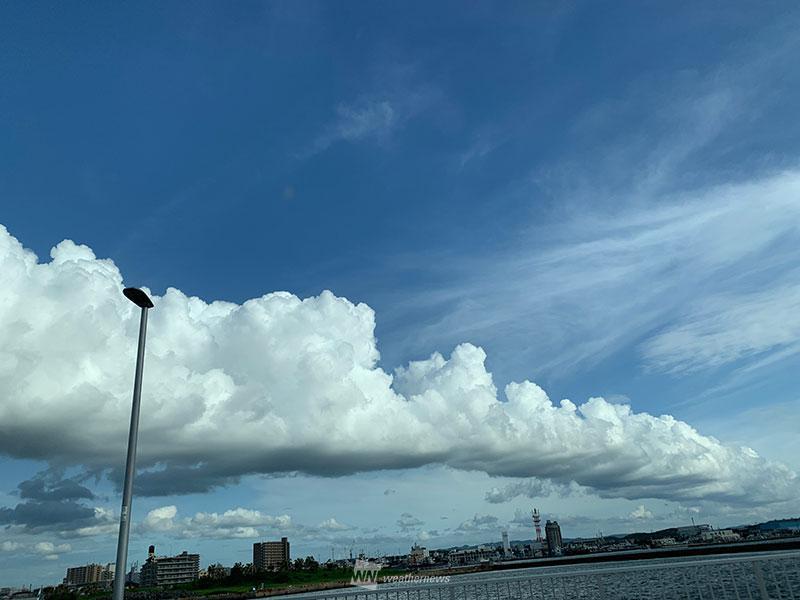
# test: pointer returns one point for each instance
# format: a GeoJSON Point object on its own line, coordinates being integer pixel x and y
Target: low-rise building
{"type": "Point", "coordinates": [472, 556]}
{"type": "Point", "coordinates": [537, 548]}
{"type": "Point", "coordinates": [663, 542]}
{"type": "Point", "coordinates": [690, 531]}
{"type": "Point", "coordinates": [718, 536]}
{"type": "Point", "coordinates": [438, 556]}
{"type": "Point", "coordinates": [418, 555]}
{"type": "Point", "coordinates": [88, 574]}
{"type": "Point", "coordinates": [169, 570]}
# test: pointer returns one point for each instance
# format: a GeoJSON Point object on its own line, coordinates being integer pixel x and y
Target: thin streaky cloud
{"type": "Point", "coordinates": [377, 115]}
{"type": "Point", "coordinates": [624, 276]}
{"type": "Point", "coordinates": [728, 328]}
{"type": "Point", "coordinates": [638, 237]}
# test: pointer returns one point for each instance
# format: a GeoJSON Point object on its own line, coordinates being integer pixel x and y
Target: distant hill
{"type": "Point", "coordinates": [793, 523]}
{"type": "Point", "coordinates": [643, 537]}
{"type": "Point", "coordinates": [673, 532]}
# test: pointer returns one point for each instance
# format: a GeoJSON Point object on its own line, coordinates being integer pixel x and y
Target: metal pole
{"type": "Point", "coordinates": [130, 468]}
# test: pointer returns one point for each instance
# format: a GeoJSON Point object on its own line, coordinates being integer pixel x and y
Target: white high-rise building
{"type": "Point", "coordinates": [506, 545]}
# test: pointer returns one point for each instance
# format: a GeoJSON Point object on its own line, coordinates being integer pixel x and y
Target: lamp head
{"type": "Point", "coordinates": [138, 297]}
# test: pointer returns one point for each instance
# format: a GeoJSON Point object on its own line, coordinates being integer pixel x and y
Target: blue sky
{"type": "Point", "coordinates": [603, 198]}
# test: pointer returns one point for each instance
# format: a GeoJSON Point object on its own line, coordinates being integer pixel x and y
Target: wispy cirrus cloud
{"type": "Point", "coordinates": [706, 268]}
{"type": "Point", "coordinates": [374, 116]}
{"type": "Point", "coordinates": [664, 202]}
{"type": "Point", "coordinates": [367, 118]}
{"type": "Point", "coordinates": [727, 328]}
{"type": "Point", "coordinates": [371, 118]}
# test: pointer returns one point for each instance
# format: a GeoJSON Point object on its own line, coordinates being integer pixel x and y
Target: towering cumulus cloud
{"type": "Point", "coordinates": [283, 384]}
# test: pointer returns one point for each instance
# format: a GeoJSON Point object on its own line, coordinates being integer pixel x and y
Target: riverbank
{"type": "Point", "coordinates": [341, 579]}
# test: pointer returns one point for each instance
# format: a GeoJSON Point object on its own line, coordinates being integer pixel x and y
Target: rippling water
{"type": "Point", "coordinates": [760, 576]}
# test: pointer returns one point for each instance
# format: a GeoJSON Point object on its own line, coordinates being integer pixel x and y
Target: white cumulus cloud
{"type": "Point", "coordinates": [160, 519]}
{"type": "Point", "coordinates": [333, 525]}
{"type": "Point", "coordinates": [479, 523]}
{"type": "Point", "coordinates": [49, 550]}
{"type": "Point", "coordinates": [408, 522]}
{"type": "Point", "coordinates": [234, 523]}
{"type": "Point", "coordinates": [640, 513]}
{"type": "Point", "coordinates": [281, 384]}
{"type": "Point", "coordinates": [9, 546]}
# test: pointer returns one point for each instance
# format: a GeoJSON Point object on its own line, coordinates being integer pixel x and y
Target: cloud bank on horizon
{"type": "Point", "coordinates": [282, 384]}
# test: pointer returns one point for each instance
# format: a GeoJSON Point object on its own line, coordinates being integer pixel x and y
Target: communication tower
{"type": "Point", "coordinates": [537, 523]}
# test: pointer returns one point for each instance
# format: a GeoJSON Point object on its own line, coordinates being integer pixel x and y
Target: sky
{"type": "Point", "coordinates": [417, 268]}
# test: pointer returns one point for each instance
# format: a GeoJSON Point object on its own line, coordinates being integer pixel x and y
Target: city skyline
{"type": "Point", "coordinates": [274, 555]}
{"type": "Point", "coordinates": [415, 271]}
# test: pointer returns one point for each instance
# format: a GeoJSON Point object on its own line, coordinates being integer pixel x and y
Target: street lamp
{"type": "Point", "coordinates": [140, 299]}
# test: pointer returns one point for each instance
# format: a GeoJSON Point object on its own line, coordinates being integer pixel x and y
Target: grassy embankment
{"type": "Point", "coordinates": [284, 582]}
{"type": "Point", "coordinates": [265, 584]}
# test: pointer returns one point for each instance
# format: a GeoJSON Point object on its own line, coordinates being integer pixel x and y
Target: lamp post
{"type": "Point", "coordinates": [140, 299]}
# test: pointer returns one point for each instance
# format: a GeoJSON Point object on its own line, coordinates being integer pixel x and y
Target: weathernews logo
{"type": "Point", "coordinates": [365, 574]}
